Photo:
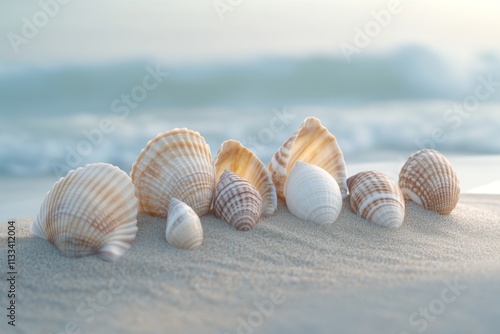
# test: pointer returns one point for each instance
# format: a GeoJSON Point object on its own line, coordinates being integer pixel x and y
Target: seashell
{"type": "Point", "coordinates": [313, 194]}
{"type": "Point", "coordinates": [429, 179]}
{"type": "Point", "coordinates": [92, 210]}
{"type": "Point", "coordinates": [313, 144]}
{"type": "Point", "coordinates": [177, 163]}
{"type": "Point", "coordinates": [238, 159]}
{"type": "Point", "coordinates": [375, 197]}
{"type": "Point", "coordinates": [184, 228]}
{"type": "Point", "coordinates": [237, 201]}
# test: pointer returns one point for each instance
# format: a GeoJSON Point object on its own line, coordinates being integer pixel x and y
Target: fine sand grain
{"type": "Point", "coordinates": [285, 276]}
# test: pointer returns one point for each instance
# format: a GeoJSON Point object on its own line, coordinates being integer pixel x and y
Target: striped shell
{"type": "Point", "coordinates": [312, 194]}
{"type": "Point", "coordinates": [177, 163]}
{"type": "Point", "coordinates": [237, 201]}
{"type": "Point", "coordinates": [375, 197]}
{"type": "Point", "coordinates": [311, 143]}
{"type": "Point", "coordinates": [184, 228]}
{"type": "Point", "coordinates": [428, 178]}
{"type": "Point", "coordinates": [92, 210]}
{"type": "Point", "coordinates": [238, 159]}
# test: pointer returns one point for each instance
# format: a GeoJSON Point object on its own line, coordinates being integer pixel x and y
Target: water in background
{"type": "Point", "coordinates": [379, 107]}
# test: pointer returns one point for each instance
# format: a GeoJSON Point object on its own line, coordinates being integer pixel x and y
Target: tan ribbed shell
{"type": "Point", "coordinates": [375, 197]}
{"type": "Point", "coordinates": [238, 159]}
{"type": "Point", "coordinates": [177, 163]}
{"type": "Point", "coordinates": [313, 144]}
{"type": "Point", "coordinates": [429, 179]}
{"type": "Point", "coordinates": [92, 210]}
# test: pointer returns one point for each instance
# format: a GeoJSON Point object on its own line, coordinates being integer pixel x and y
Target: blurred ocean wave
{"type": "Point", "coordinates": [379, 105]}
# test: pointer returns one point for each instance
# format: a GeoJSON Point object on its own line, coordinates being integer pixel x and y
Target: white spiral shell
{"type": "Point", "coordinates": [375, 197]}
{"type": "Point", "coordinates": [313, 194]}
{"type": "Point", "coordinates": [184, 228]}
{"type": "Point", "coordinates": [92, 210]}
{"type": "Point", "coordinates": [177, 163]}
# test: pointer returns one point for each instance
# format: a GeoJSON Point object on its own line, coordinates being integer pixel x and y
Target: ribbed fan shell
{"type": "Point", "coordinates": [429, 179]}
{"type": "Point", "coordinates": [177, 163]}
{"type": "Point", "coordinates": [238, 159]}
{"type": "Point", "coordinates": [92, 210]}
{"type": "Point", "coordinates": [313, 144]}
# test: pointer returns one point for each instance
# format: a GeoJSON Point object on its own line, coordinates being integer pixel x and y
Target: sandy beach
{"type": "Point", "coordinates": [434, 274]}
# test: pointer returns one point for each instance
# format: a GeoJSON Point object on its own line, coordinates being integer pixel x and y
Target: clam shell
{"type": "Point", "coordinates": [313, 194]}
{"type": "Point", "coordinates": [238, 159]}
{"type": "Point", "coordinates": [311, 143]}
{"type": "Point", "coordinates": [237, 201]}
{"type": "Point", "coordinates": [184, 228]}
{"type": "Point", "coordinates": [177, 163]}
{"type": "Point", "coordinates": [375, 197]}
{"type": "Point", "coordinates": [429, 179]}
{"type": "Point", "coordinates": [92, 210]}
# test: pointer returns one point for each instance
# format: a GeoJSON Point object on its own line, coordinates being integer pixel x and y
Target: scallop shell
{"type": "Point", "coordinates": [92, 210]}
{"type": "Point", "coordinates": [238, 159]}
{"type": "Point", "coordinates": [428, 178]}
{"type": "Point", "coordinates": [237, 201]}
{"type": "Point", "coordinates": [375, 197]}
{"type": "Point", "coordinates": [184, 228]}
{"type": "Point", "coordinates": [313, 194]}
{"type": "Point", "coordinates": [177, 163]}
{"type": "Point", "coordinates": [311, 143]}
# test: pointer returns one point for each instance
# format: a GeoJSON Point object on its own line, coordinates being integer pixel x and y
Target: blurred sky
{"type": "Point", "coordinates": [191, 30]}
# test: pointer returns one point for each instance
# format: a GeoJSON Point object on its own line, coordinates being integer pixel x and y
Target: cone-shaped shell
{"type": "Point", "coordinates": [313, 144]}
{"type": "Point", "coordinates": [92, 210]}
{"type": "Point", "coordinates": [375, 197]}
{"type": "Point", "coordinates": [237, 201]}
{"type": "Point", "coordinates": [184, 228]}
{"type": "Point", "coordinates": [238, 159]}
{"type": "Point", "coordinates": [177, 163]}
{"type": "Point", "coordinates": [313, 194]}
{"type": "Point", "coordinates": [429, 179]}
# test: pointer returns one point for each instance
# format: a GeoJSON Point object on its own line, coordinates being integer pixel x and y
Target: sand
{"type": "Point", "coordinates": [434, 274]}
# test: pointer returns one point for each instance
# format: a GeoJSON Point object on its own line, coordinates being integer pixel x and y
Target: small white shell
{"type": "Point", "coordinates": [375, 197]}
{"type": "Point", "coordinates": [177, 163]}
{"type": "Point", "coordinates": [237, 202]}
{"type": "Point", "coordinates": [184, 228]}
{"type": "Point", "coordinates": [313, 144]}
{"type": "Point", "coordinates": [92, 210]}
{"type": "Point", "coordinates": [238, 159]}
{"type": "Point", "coordinates": [313, 194]}
{"type": "Point", "coordinates": [429, 179]}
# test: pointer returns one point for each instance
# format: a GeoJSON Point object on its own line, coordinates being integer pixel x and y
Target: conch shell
{"type": "Point", "coordinates": [92, 210]}
{"type": "Point", "coordinates": [429, 179]}
{"type": "Point", "coordinates": [237, 201]}
{"type": "Point", "coordinates": [177, 163]}
{"type": "Point", "coordinates": [375, 197]}
{"type": "Point", "coordinates": [313, 144]}
{"type": "Point", "coordinates": [184, 228]}
{"type": "Point", "coordinates": [238, 159]}
{"type": "Point", "coordinates": [313, 194]}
